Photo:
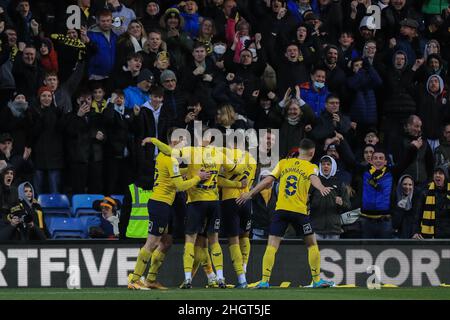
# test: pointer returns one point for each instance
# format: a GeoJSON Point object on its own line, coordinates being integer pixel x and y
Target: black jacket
{"type": "Point", "coordinates": [325, 213]}
{"type": "Point", "coordinates": [118, 130]}
{"type": "Point", "coordinates": [82, 145]}
{"type": "Point", "coordinates": [29, 78]}
{"type": "Point", "coordinates": [47, 129]}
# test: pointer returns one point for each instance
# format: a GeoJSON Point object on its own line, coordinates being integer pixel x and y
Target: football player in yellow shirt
{"type": "Point", "coordinates": [295, 176]}
{"type": "Point", "coordinates": [236, 220]}
{"type": "Point", "coordinates": [203, 205]}
{"type": "Point", "coordinates": [168, 180]}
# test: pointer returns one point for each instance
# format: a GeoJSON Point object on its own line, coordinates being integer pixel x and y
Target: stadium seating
{"type": "Point", "coordinates": [55, 205]}
{"type": "Point", "coordinates": [65, 228]}
{"type": "Point", "coordinates": [82, 204]}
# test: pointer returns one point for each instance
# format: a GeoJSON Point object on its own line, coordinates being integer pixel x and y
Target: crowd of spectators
{"type": "Point", "coordinates": [372, 92]}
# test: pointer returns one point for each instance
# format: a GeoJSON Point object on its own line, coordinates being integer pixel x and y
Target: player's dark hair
{"type": "Point", "coordinates": [306, 144]}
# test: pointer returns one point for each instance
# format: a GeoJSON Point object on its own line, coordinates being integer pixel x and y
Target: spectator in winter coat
{"type": "Point", "coordinates": [132, 41]}
{"type": "Point", "coordinates": [139, 94]}
{"type": "Point", "coordinates": [346, 50]}
{"type": "Point", "coordinates": [118, 128]}
{"type": "Point", "coordinates": [21, 162]}
{"type": "Point", "coordinates": [175, 99]}
{"type": "Point", "coordinates": [27, 198]}
{"type": "Point", "coordinates": [102, 43]}
{"type": "Point", "coordinates": [85, 138]}
{"type": "Point", "coordinates": [63, 92]}
{"type": "Point", "coordinates": [179, 43]}
{"type": "Point", "coordinates": [8, 192]}
{"type": "Point", "coordinates": [48, 56]}
{"type": "Point", "coordinates": [335, 78]}
{"type": "Point", "coordinates": [315, 92]}
{"type": "Point", "coordinates": [127, 75]}
{"type": "Point", "coordinates": [421, 166]}
{"type": "Point", "coordinates": [291, 69]}
{"type": "Point", "coordinates": [362, 82]}
{"type": "Point", "coordinates": [109, 221]}
{"type": "Point", "coordinates": [227, 119]}
{"type": "Point", "coordinates": [25, 21]}
{"type": "Point", "coordinates": [433, 221]}
{"type": "Point", "coordinates": [263, 207]}
{"type": "Point", "coordinates": [269, 114]}
{"type": "Point", "coordinates": [330, 122]}
{"type": "Point", "coordinates": [28, 74]}
{"type": "Point", "coordinates": [325, 211]}
{"type": "Point", "coordinates": [121, 16]}
{"type": "Point", "coordinates": [191, 18]}
{"type": "Point", "coordinates": [16, 119]}
{"type": "Point", "coordinates": [404, 209]}
{"type": "Point", "coordinates": [409, 41]}
{"type": "Point", "coordinates": [152, 14]}
{"type": "Point", "coordinates": [399, 103]}
{"type": "Point", "coordinates": [442, 153]}
{"type": "Point", "coordinates": [433, 108]}
{"type": "Point", "coordinates": [48, 155]}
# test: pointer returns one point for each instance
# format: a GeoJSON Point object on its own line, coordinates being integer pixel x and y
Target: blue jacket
{"type": "Point", "coordinates": [316, 99]}
{"type": "Point", "coordinates": [102, 61]}
{"type": "Point", "coordinates": [135, 96]}
{"type": "Point", "coordinates": [191, 24]}
{"type": "Point", "coordinates": [363, 109]}
{"type": "Point", "coordinates": [377, 200]}
{"type": "Point", "coordinates": [294, 9]}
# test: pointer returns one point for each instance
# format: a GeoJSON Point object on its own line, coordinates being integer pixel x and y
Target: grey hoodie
{"type": "Point", "coordinates": [21, 192]}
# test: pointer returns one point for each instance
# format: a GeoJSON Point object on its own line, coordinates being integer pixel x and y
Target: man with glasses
{"type": "Point", "coordinates": [175, 99]}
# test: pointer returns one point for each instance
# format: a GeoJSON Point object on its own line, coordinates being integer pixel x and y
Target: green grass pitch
{"type": "Point", "coordinates": [426, 293]}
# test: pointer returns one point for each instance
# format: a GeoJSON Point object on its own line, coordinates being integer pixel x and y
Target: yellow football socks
{"type": "Point", "coordinates": [188, 257]}
{"type": "Point", "coordinates": [268, 262]}
{"type": "Point", "coordinates": [244, 243]}
{"type": "Point", "coordinates": [141, 264]}
{"type": "Point", "coordinates": [314, 262]}
{"type": "Point", "coordinates": [206, 262]}
{"type": "Point", "coordinates": [217, 259]}
{"type": "Point", "coordinates": [236, 258]}
{"type": "Point", "coordinates": [157, 261]}
{"type": "Point", "coordinates": [198, 259]}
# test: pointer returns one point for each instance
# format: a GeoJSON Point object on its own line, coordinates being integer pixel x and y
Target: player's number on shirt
{"type": "Point", "coordinates": [291, 185]}
{"type": "Point", "coordinates": [210, 183]}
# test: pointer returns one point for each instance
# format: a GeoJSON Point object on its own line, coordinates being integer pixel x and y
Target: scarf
{"type": "Point", "coordinates": [18, 108]}
{"type": "Point", "coordinates": [119, 109]}
{"type": "Point", "coordinates": [427, 225]}
{"type": "Point", "coordinates": [99, 107]}
{"type": "Point", "coordinates": [136, 45]}
{"type": "Point", "coordinates": [376, 175]}
{"type": "Point", "coordinates": [294, 121]}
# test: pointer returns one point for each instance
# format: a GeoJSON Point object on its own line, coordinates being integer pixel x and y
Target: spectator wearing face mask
{"type": "Point", "coordinates": [326, 211]}
{"type": "Point", "coordinates": [315, 92]}
{"type": "Point", "coordinates": [405, 207]}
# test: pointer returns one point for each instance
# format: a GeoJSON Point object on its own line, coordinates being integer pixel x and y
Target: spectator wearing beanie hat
{"type": "Point", "coordinates": [48, 151]}
{"type": "Point", "coordinates": [152, 14]}
{"type": "Point", "coordinates": [175, 99]}
{"type": "Point", "coordinates": [16, 119]}
{"type": "Point", "coordinates": [139, 94]}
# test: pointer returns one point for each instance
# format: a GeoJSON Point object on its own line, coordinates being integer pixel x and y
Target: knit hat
{"type": "Point", "coordinates": [167, 75]}
{"type": "Point", "coordinates": [43, 89]}
{"type": "Point", "coordinates": [16, 94]}
{"type": "Point", "coordinates": [145, 74]}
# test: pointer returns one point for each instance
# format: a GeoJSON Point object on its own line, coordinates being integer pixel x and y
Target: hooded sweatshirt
{"type": "Point", "coordinates": [433, 109]}
{"type": "Point", "coordinates": [325, 213]}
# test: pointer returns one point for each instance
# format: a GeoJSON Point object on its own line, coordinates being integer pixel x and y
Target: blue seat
{"type": "Point", "coordinates": [118, 197]}
{"type": "Point", "coordinates": [63, 227]}
{"type": "Point", "coordinates": [55, 204]}
{"type": "Point", "coordinates": [88, 222]}
{"type": "Point", "coordinates": [82, 204]}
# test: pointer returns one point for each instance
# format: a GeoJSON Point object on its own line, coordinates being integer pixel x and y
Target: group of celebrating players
{"type": "Point", "coordinates": [218, 183]}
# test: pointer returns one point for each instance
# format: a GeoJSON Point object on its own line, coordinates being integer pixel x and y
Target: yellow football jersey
{"type": "Point", "coordinates": [294, 184]}
{"type": "Point", "coordinates": [248, 172]}
{"type": "Point", "coordinates": [168, 179]}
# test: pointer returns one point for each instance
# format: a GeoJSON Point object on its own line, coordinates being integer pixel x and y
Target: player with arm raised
{"type": "Point", "coordinates": [168, 180]}
{"type": "Point", "coordinates": [295, 176]}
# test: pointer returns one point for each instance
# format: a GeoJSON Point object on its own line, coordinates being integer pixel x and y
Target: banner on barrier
{"type": "Point", "coordinates": [108, 264]}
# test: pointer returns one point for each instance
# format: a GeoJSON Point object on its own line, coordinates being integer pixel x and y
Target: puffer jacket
{"type": "Point", "coordinates": [102, 61]}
